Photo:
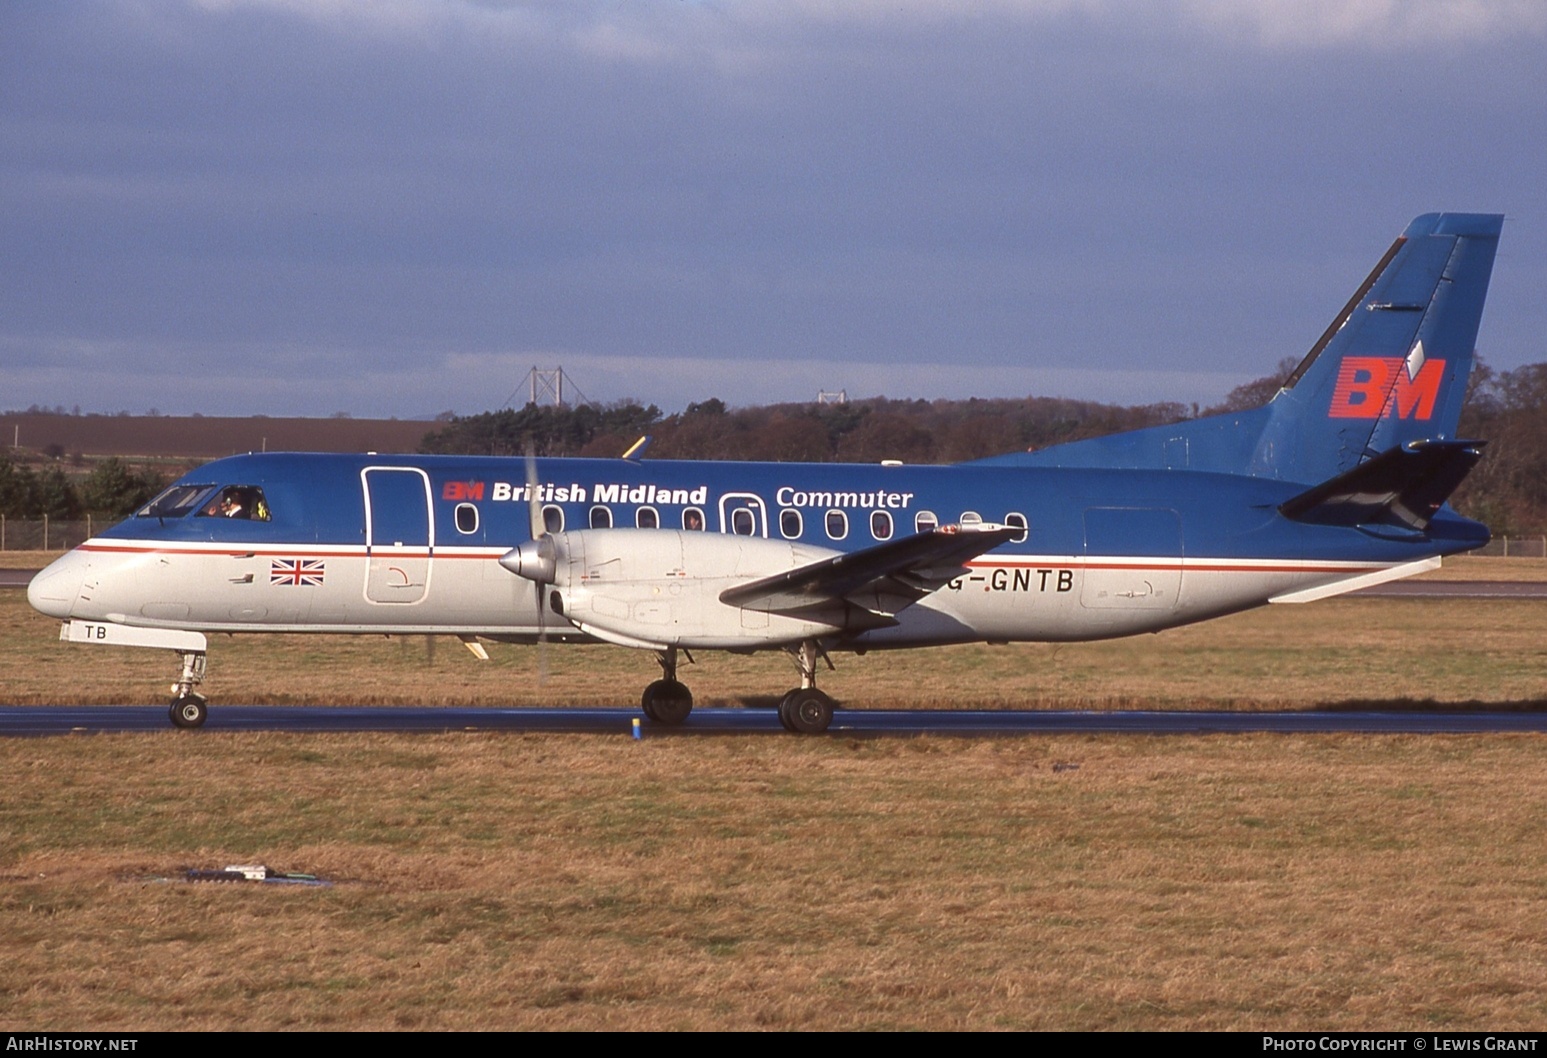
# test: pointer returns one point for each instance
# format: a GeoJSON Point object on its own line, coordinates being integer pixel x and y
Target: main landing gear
{"type": "Point", "coordinates": [666, 701]}
{"type": "Point", "coordinates": [188, 708]}
{"type": "Point", "coordinates": [806, 710]}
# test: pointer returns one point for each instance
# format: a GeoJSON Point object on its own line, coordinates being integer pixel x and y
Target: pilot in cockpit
{"type": "Point", "coordinates": [238, 502]}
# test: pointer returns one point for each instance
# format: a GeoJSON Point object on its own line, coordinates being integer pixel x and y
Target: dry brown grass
{"type": "Point", "coordinates": [27, 559]}
{"type": "Point", "coordinates": [1488, 567]}
{"type": "Point", "coordinates": [207, 437]}
{"type": "Point", "coordinates": [1329, 882]}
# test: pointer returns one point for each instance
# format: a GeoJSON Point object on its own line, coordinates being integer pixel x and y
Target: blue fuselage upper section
{"type": "Point", "coordinates": [461, 501]}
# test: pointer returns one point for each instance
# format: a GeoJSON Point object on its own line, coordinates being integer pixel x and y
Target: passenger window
{"type": "Point", "coordinates": [647, 518]}
{"type": "Point", "coordinates": [693, 519]}
{"type": "Point", "coordinates": [553, 519]}
{"type": "Point", "coordinates": [837, 525]}
{"type": "Point", "coordinates": [1019, 522]}
{"type": "Point", "coordinates": [601, 518]}
{"type": "Point", "coordinates": [880, 525]}
{"type": "Point", "coordinates": [971, 518]}
{"type": "Point", "coordinates": [467, 518]}
{"type": "Point", "coordinates": [245, 502]}
{"type": "Point", "coordinates": [742, 522]}
{"type": "Point", "coordinates": [924, 521]}
{"type": "Point", "coordinates": [790, 523]}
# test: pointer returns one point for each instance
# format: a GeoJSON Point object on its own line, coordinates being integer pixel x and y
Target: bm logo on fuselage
{"type": "Point", "coordinates": [1378, 387]}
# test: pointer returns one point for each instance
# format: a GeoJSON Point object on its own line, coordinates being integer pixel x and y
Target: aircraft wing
{"type": "Point", "coordinates": [879, 580]}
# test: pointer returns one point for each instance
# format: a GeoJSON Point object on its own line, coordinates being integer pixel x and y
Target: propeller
{"type": "Point", "coordinates": [536, 560]}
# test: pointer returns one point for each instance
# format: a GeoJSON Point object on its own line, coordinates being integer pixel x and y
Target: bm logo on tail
{"type": "Point", "coordinates": [1379, 387]}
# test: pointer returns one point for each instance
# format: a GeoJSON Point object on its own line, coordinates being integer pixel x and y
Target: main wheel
{"type": "Point", "coordinates": [189, 711]}
{"type": "Point", "coordinates": [667, 702]}
{"type": "Point", "coordinates": [807, 711]}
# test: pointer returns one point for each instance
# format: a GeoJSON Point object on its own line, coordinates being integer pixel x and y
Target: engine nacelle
{"type": "Point", "coordinates": [661, 587]}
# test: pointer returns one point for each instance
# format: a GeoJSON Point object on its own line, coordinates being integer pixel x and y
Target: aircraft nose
{"type": "Point", "coordinates": [53, 591]}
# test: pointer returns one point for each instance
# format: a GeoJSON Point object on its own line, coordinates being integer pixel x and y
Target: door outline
{"type": "Point", "coordinates": [385, 563]}
{"type": "Point", "coordinates": [750, 500]}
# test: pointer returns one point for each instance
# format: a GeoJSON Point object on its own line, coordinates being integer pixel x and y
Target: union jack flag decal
{"type": "Point", "coordinates": [296, 571]}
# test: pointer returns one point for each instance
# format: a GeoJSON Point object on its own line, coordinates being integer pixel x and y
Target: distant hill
{"type": "Point", "coordinates": [203, 437]}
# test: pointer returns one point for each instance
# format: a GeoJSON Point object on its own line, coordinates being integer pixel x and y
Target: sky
{"type": "Point", "coordinates": [400, 207]}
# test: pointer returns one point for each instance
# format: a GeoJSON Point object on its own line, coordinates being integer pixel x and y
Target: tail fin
{"type": "Point", "coordinates": [1391, 369]}
{"type": "Point", "coordinates": [1393, 366]}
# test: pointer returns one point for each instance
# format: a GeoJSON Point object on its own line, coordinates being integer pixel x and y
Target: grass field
{"type": "Point", "coordinates": [537, 881]}
{"type": "Point", "coordinates": [200, 437]}
{"type": "Point", "coordinates": [1251, 882]}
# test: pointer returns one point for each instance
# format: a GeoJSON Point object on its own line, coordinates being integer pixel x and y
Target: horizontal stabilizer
{"type": "Point", "coordinates": [881, 579]}
{"type": "Point", "coordinates": [1368, 580]}
{"type": "Point", "coordinates": [1402, 487]}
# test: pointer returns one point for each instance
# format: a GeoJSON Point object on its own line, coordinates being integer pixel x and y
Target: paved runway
{"type": "Point", "coordinates": [18, 721]}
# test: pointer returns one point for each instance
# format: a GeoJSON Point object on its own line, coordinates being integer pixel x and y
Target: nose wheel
{"type": "Point", "coordinates": [189, 711]}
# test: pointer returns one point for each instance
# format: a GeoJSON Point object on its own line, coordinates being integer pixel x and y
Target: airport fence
{"type": "Point", "coordinates": [43, 534]}
{"type": "Point", "coordinates": [1514, 547]}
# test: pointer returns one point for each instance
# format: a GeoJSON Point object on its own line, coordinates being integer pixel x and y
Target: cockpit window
{"type": "Point", "coordinates": [237, 501]}
{"type": "Point", "coordinates": [175, 502]}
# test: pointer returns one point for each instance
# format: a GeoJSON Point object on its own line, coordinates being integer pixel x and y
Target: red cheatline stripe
{"type": "Point", "coordinates": [287, 552]}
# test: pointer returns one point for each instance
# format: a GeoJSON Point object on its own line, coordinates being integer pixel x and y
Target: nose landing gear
{"type": "Point", "coordinates": [188, 707]}
{"type": "Point", "coordinates": [189, 711]}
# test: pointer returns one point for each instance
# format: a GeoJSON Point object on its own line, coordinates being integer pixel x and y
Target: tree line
{"type": "Point", "coordinates": [863, 431]}
{"type": "Point", "coordinates": [111, 490]}
{"type": "Point", "coordinates": [1507, 490]}
{"type": "Point", "coordinates": [1508, 409]}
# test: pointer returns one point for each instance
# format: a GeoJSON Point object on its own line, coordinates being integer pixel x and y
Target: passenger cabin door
{"type": "Point", "coordinates": [1133, 558]}
{"type": "Point", "coordinates": [399, 534]}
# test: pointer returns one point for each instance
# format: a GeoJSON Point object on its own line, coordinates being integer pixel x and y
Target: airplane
{"type": "Point", "coordinates": [1337, 483]}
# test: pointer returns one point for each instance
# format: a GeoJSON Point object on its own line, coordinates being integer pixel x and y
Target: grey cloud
{"type": "Point", "coordinates": [373, 187]}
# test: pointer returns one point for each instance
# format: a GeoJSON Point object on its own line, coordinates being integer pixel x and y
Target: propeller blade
{"type": "Point", "coordinates": [544, 566]}
{"type": "Point", "coordinates": [534, 507]}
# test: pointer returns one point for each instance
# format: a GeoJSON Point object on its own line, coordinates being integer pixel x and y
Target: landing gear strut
{"type": "Point", "coordinates": [188, 708]}
{"type": "Point", "coordinates": [666, 701]}
{"type": "Point", "coordinates": [806, 710]}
